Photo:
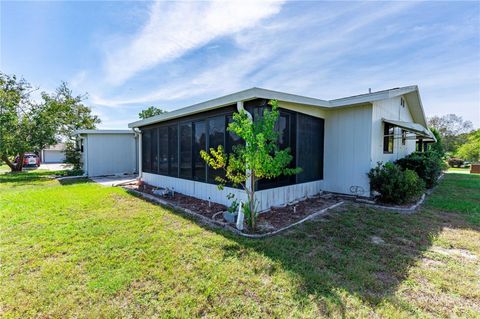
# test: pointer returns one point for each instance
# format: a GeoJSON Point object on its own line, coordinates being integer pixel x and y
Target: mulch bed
{"type": "Point", "coordinates": [269, 221]}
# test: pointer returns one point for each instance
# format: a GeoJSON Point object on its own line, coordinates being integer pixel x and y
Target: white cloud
{"type": "Point", "coordinates": [173, 29]}
{"type": "Point", "coordinates": [325, 56]}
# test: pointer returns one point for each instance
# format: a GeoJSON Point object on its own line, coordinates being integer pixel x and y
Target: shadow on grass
{"type": "Point", "coordinates": [337, 254]}
{"type": "Point", "coordinates": [26, 176]}
{"type": "Point", "coordinates": [30, 177]}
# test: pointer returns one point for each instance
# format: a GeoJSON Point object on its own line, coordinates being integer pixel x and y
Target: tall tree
{"type": "Point", "coordinates": [150, 111]}
{"type": "Point", "coordinates": [470, 151]}
{"type": "Point", "coordinates": [24, 125]}
{"type": "Point", "coordinates": [452, 128]}
{"type": "Point", "coordinates": [71, 115]}
{"type": "Point", "coordinates": [259, 158]}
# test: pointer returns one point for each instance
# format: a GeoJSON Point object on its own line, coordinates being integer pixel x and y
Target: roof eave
{"type": "Point", "coordinates": [246, 95]}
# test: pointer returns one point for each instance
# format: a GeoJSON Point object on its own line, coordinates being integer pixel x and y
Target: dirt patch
{"type": "Point", "coordinates": [272, 220]}
{"type": "Point", "coordinates": [196, 205]}
{"type": "Point", "coordinates": [455, 252]}
{"type": "Point", "coordinates": [278, 217]}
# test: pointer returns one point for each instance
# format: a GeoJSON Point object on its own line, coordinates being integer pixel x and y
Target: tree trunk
{"type": "Point", "coordinates": [14, 167]}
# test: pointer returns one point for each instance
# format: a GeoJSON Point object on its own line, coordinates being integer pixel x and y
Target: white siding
{"type": "Point", "coordinates": [285, 194]}
{"type": "Point", "coordinates": [196, 189]}
{"type": "Point", "coordinates": [265, 198]}
{"type": "Point", "coordinates": [110, 154]}
{"type": "Point", "coordinates": [347, 150]}
{"type": "Point", "coordinates": [389, 109]}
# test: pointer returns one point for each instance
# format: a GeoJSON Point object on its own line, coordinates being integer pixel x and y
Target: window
{"type": "Point", "coordinates": [404, 137]}
{"type": "Point", "coordinates": [310, 143]}
{"type": "Point", "coordinates": [232, 138]}
{"type": "Point", "coordinates": [146, 160]}
{"type": "Point", "coordinates": [388, 134]}
{"type": "Point", "coordinates": [163, 150]}
{"type": "Point", "coordinates": [173, 150]}
{"type": "Point", "coordinates": [186, 150]}
{"type": "Point", "coordinates": [200, 142]}
{"type": "Point", "coordinates": [284, 141]}
{"type": "Point", "coordinates": [216, 137]}
{"type": "Point", "coordinates": [154, 152]}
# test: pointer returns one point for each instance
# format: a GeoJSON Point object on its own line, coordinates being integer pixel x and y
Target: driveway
{"type": "Point", "coordinates": [55, 166]}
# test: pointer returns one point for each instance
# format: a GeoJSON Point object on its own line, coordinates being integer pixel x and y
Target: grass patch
{"type": "Point", "coordinates": [82, 250]}
{"type": "Point", "coordinates": [459, 193]}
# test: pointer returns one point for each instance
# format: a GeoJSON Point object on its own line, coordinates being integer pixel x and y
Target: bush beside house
{"type": "Point", "coordinates": [406, 179]}
{"type": "Point", "coordinates": [427, 165]}
{"type": "Point", "coordinates": [394, 184]}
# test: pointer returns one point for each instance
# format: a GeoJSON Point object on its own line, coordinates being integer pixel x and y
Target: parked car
{"type": "Point", "coordinates": [29, 159]}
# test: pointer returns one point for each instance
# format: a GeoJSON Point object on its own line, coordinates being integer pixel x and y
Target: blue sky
{"type": "Point", "coordinates": [129, 55]}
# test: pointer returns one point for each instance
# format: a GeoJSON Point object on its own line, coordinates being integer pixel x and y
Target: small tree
{"type": "Point", "coordinates": [259, 158]}
{"type": "Point", "coordinates": [150, 111]}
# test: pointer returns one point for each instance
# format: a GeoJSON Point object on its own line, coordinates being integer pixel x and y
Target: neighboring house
{"type": "Point", "coordinates": [53, 153]}
{"type": "Point", "coordinates": [335, 142]}
{"type": "Point", "coordinates": [108, 152]}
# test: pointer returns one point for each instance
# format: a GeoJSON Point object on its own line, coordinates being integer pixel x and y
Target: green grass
{"type": "Point", "coordinates": [458, 193]}
{"type": "Point", "coordinates": [81, 250]}
{"type": "Point", "coordinates": [460, 170]}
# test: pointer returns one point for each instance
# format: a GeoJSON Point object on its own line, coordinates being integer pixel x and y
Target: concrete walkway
{"type": "Point", "coordinates": [114, 180]}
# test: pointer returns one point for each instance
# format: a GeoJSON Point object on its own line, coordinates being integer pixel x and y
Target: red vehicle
{"type": "Point", "coordinates": [30, 159]}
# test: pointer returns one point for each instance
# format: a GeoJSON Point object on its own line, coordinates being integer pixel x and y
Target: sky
{"type": "Point", "coordinates": [130, 55]}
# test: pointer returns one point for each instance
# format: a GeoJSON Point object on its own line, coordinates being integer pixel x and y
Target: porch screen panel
{"type": "Point", "coordinates": [186, 150]}
{"type": "Point", "coordinates": [199, 144]}
{"type": "Point", "coordinates": [173, 150]}
{"type": "Point", "coordinates": [310, 143]}
{"type": "Point", "coordinates": [232, 139]}
{"type": "Point", "coordinates": [163, 150]}
{"type": "Point", "coordinates": [216, 137]}
{"type": "Point", "coordinates": [146, 151]}
{"type": "Point", "coordinates": [283, 127]}
{"type": "Point", "coordinates": [154, 147]}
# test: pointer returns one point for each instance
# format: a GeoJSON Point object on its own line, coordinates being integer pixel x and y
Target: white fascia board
{"type": "Point", "coordinates": [78, 132]}
{"type": "Point", "coordinates": [260, 93]}
{"type": "Point", "coordinates": [372, 97]}
{"type": "Point", "coordinates": [246, 95]}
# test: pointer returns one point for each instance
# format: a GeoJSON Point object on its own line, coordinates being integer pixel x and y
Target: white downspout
{"type": "Point", "coordinates": [85, 154]}
{"type": "Point", "coordinates": [139, 134]}
{"type": "Point", "coordinates": [240, 217]}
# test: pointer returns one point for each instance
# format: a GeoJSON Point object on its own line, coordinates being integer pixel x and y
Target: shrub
{"type": "Point", "coordinates": [395, 185]}
{"type": "Point", "coordinates": [427, 165]}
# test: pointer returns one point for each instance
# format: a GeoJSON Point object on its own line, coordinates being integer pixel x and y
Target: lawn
{"type": "Point", "coordinates": [77, 249]}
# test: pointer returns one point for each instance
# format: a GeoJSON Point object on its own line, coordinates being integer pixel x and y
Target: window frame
{"type": "Point", "coordinates": [388, 139]}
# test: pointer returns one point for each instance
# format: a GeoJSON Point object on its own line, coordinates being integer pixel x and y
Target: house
{"type": "Point", "coordinates": [108, 152]}
{"type": "Point", "coordinates": [53, 153]}
{"type": "Point", "coordinates": [335, 142]}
